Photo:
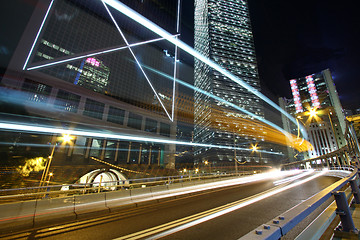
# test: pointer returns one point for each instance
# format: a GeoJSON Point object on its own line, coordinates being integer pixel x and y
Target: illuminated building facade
{"type": "Point", "coordinates": [355, 121]}
{"type": "Point", "coordinates": [93, 74]}
{"type": "Point", "coordinates": [107, 90]}
{"type": "Point", "coordinates": [316, 103]}
{"type": "Point", "coordinates": [223, 33]}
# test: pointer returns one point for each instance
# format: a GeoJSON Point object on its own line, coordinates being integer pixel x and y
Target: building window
{"type": "Point", "coordinates": [94, 109]}
{"type": "Point", "coordinates": [96, 148]}
{"type": "Point", "coordinates": [116, 115]}
{"type": "Point", "coordinates": [165, 129]}
{"type": "Point", "coordinates": [134, 121]}
{"type": "Point", "coordinates": [150, 125]}
{"type": "Point", "coordinates": [37, 92]}
{"type": "Point", "coordinates": [80, 145]}
{"type": "Point", "coordinates": [67, 101]}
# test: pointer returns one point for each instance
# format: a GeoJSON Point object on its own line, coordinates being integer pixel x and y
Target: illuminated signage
{"type": "Point", "coordinates": [312, 91]}
{"type": "Point", "coordinates": [296, 95]}
{"type": "Point", "coordinates": [93, 62]}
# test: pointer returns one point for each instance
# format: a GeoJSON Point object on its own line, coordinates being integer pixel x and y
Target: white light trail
{"type": "Point", "coordinates": [290, 179]}
{"type": "Point", "coordinates": [175, 61]}
{"type": "Point", "coordinates": [174, 85]}
{"type": "Point", "coordinates": [94, 54]}
{"type": "Point", "coordinates": [137, 61]}
{"type": "Point", "coordinates": [37, 35]}
{"type": "Point", "coordinates": [159, 195]}
{"type": "Point", "coordinates": [288, 135]}
{"type": "Point", "coordinates": [191, 221]}
{"type": "Point", "coordinates": [178, 18]}
{"type": "Point", "coordinates": [158, 30]}
{"type": "Point", "coordinates": [52, 130]}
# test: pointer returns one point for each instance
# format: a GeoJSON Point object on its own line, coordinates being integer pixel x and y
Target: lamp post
{"type": "Point", "coordinates": [47, 166]}
{"type": "Point", "coordinates": [255, 149]}
{"type": "Point", "coordinates": [206, 162]}
{"type": "Point", "coordinates": [48, 181]}
{"type": "Point", "coordinates": [65, 139]}
{"type": "Point", "coordinates": [235, 159]}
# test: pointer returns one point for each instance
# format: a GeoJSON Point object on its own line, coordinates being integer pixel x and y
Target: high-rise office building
{"type": "Point", "coordinates": [85, 62]}
{"type": "Point", "coordinates": [316, 103]}
{"type": "Point", "coordinates": [93, 74]}
{"type": "Point", "coordinates": [223, 34]}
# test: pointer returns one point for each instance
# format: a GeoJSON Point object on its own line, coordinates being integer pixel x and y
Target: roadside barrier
{"type": "Point", "coordinates": [282, 224]}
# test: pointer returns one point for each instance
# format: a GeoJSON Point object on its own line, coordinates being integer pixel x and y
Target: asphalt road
{"type": "Point", "coordinates": [207, 208]}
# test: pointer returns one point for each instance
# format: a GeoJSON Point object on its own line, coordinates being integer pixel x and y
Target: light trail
{"type": "Point", "coordinates": [144, 197]}
{"type": "Point", "coordinates": [191, 221]}
{"type": "Point", "coordinates": [288, 135]}
{"type": "Point", "coordinates": [137, 62]}
{"type": "Point", "coordinates": [72, 58]}
{"type": "Point", "coordinates": [38, 34]}
{"type": "Point", "coordinates": [175, 60]}
{"type": "Point", "coordinates": [161, 32]}
{"type": "Point", "coordinates": [52, 130]}
{"type": "Point", "coordinates": [290, 179]}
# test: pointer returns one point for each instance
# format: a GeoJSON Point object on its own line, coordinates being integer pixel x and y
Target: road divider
{"type": "Point", "coordinates": [27, 214]}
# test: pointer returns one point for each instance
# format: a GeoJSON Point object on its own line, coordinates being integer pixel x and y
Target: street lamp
{"type": "Point", "coordinates": [255, 149]}
{"type": "Point", "coordinates": [312, 112]}
{"type": "Point", "coordinates": [206, 162]}
{"type": "Point", "coordinates": [50, 175]}
{"type": "Point", "coordinates": [66, 138]}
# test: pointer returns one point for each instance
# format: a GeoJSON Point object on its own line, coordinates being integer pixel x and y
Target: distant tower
{"type": "Point", "coordinates": [93, 75]}
{"type": "Point", "coordinates": [223, 33]}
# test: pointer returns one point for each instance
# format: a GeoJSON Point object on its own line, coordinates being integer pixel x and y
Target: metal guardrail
{"type": "Point", "coordinates": [344, 168]}
{"type": "Point", "coordinates": [55, 191]}
{"type": "Point", "coordinates": [282, 224]}
{"type": "Point", "coordinates": [22, 215]}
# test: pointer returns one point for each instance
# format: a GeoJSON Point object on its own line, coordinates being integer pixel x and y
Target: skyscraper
{"type": "Point", "coordinates": [317, 104]}
{"type": "Point", "coordinates": [223, 33]}
{"type": "Point", "coordinates": [93, 74]}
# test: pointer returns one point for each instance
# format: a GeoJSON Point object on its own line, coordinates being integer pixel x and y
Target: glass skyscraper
{"type": "Point", "coordinates": [84, 62]}
{"type": "Point", "coordinates": [223, 33]}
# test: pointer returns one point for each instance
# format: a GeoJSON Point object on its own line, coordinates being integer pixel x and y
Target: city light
{"type": "Point", "coordinates": [312, 113]}
{"type": "Point", "coordinates": [52, 130]}
{"type": "Point", "coordinates": [93, 62]}
{"type": "Point", "coordinates": [161, 32]}
{"type": "Point", "coordinates": [158, 30]}
{"type": "Point", "coordinates": [138, 63]}
{"type": "Point", "coordinates": [66, 138]}
{"type": "Point", "coordinates": [95, 53]}
{"type": "Point", "coordinates": [254, 148]}
{"type": "Point", "coordinates": [303, 131]}
{"type": "Point", "coordinates": [37, 35]}
{"type": "Point", "coordinates": [166, 229]}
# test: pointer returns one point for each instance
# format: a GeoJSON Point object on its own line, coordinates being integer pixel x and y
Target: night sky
{"type": "Point", "coordinates": [292, 39]}
{"type": "Point", "coordinates": [297, 38]}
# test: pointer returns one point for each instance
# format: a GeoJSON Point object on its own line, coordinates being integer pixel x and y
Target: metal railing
{"type": "Point", "coordinates": [55, 191]}
{"type": "Point", "coordinates": [282, 224]}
